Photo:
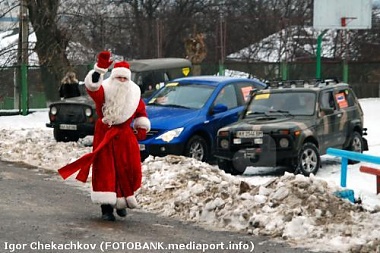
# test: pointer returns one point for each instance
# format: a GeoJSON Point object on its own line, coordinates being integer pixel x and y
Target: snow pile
{"type": "Point", "coordinates": [301, 210]}
{"type": "Point", "coordinates": [38, 148]}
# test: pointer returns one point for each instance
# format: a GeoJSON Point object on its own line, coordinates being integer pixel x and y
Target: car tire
{"type": "Point", "coordinates": [356, 145]}
{"type": "Point", "coordinates": [64, 136]}
{"type": "Point", "coordinates": [228, 167]}
{"type": "Point", "coordinates": [197, 148]}
{"type": "Point", "coordinates": [308, 160]}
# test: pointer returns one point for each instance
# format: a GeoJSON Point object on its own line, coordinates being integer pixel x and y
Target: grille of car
{"type": "Point", "coordinates": [249, 142]}
{"type": "Point", "coordinates": [71, 114]}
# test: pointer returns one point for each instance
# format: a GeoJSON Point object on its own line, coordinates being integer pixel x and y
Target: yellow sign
{"type": "Point", "coordinates": [171, 84]}
{"type": "Point", "coordinates": [262, 96]}
{"type": "Point", "coordinates": [185, 71]}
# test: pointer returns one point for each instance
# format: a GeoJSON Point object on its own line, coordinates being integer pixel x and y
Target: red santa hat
{"type": "Point", "coordinates": [121, 69]}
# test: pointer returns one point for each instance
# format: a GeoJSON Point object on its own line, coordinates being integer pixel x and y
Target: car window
{"type": "Point", "coordinates": [227, 96]}
{"type": "Point", "coordinates": [327, 100]}
{"type": "Point", "coordinates": [307, 103]}
{"type": "Point", "coordinates": [350, 96]}
{"type": "Point", "coordinates": [297, 103]}
{"type": "Point", "coordinates": [243, 90]}
{"type": "Point", "coordinates": [182, 95]}
{"type": "Point", "coordinates": [345, 98]}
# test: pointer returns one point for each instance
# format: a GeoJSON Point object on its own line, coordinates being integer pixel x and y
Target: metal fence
{"type": "Point", "coordinates": [363, 77]}
{"type": "Point", "coordinates": [10, 87]}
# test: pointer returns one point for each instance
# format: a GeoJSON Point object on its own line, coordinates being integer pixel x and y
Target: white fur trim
{"type": "Point", "coordinates": [132, 202]}
{"type": "Point", "coordinates": [121, 203]}
{"type": "Point", "coordinates": [142, 122]}
{"type": "Point", "coordinates": [103, 197]}
{"type": "Point", "coordinates": [100, 70]}
{"type": "Point", "coordinates": [124, 72]}
{"type": "Point", "coordinates": [91, 85]}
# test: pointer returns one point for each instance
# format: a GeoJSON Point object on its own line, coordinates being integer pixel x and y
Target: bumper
{"type": "Point", "coordinates": [266, 151]}
{"type": "Point", "coordinates": [365, 144]}
{"type": "Point", "coordinates": [256, 157]}
{"type": "Point", "coordinates": [83, 129]}
{"type": "Point", "coordinates": [161, 149]}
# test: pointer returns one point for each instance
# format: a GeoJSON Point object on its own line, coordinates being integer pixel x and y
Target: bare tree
{"type": "Point", "coordinates": [51, 44]}
{"type": "Point", "coordinates": [77, 30]}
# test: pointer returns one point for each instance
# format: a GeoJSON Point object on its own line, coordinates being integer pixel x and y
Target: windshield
{"type": "Point", "coordinates": [296, 103]}
{"type": "Point", "coordinates": [192, 96]}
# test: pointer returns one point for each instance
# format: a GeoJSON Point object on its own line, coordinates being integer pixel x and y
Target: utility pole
{"type": "Point", "coordinates": [222, 37]}
{"type": "Point", "coordinates": [23, 58]}
{"type": "Point", "coordinates": [319, 53]}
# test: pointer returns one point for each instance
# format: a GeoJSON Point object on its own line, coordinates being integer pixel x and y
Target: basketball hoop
{"type": "Point", "coordinates": [345, 20]}
{"type": "Point", "coordinates": [342, 14]}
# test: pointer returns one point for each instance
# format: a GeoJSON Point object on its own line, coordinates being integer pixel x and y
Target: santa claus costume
{"type": "Point", "coordinates": [115, 159]}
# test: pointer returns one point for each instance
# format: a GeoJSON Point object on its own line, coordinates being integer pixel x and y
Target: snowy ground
{"type": "Point", "coordinates": [302, 211]}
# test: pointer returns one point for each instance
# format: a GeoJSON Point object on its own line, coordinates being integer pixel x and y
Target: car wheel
{"type": "Point", "coordinates": [356, 145]}
{"type": "Point", "coordinates": [309, 160]}
{"type": "Point", "coordinates": [64, 136]}
{"type": "Point", "coordinates": [197, 148]}
{"type": "Point", "coordinates": [228, 167]}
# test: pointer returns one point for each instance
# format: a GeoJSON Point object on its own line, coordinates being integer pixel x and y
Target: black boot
{"type": "Point", "coordinates": [107, 213]}
{"type": "Point", "coordinates": [121, 212]}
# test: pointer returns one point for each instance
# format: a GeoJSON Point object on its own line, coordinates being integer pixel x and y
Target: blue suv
{"type": "Point", "coordinates": [187, 112]}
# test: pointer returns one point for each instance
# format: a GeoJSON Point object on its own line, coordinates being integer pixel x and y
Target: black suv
{"type": "Point", "coordinates": [292, 126]}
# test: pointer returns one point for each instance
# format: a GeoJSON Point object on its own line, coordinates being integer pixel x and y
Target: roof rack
{"type": "Point", "coordinates": [302, 83]}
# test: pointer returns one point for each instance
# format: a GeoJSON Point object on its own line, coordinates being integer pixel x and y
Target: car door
{"type": "Point", "coordinates": [233, 96]}
{"type": "Point", "coordinates": [329, 127]}
{"type": "Point", "coordinates": [346, 101]}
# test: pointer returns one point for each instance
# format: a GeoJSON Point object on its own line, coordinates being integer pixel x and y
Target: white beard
{"type": "Point", "coordinates": [115, 107]}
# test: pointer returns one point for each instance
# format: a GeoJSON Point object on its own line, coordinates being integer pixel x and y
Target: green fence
{"type": "Point", "coordinates": [364, 77]}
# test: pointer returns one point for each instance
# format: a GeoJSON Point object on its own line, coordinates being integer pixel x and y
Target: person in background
{"type": "Point", "coordinates": [122, 121]}
{"type": "Point", "coordinates": [69, 86]}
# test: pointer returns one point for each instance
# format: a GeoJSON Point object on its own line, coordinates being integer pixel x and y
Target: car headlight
{"type": "Point", "coordinates": [88, 112]}
{"type": "Point", "coordinates": [170, 135]}
{"type": "Point", "coordinates": [224, 144]}
{"type": "Point", "coordinates": [284, 143]}
{"type": "Point", "coordinates": [53, 110]}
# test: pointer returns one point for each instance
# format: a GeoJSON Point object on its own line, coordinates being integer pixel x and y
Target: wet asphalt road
{"type": "Point", "coordinates": [39, 212]}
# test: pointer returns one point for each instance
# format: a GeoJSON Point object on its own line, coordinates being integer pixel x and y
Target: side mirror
{"type": "Point", "coordinates": [218, 108]}
{"type": "Point", "coordinates": [327, 111]}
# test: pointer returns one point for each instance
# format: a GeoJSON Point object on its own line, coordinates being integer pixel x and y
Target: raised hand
{"type": "Point", "coordinates": [104, 62]}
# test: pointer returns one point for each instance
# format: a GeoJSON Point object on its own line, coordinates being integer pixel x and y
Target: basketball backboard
{"type": "Point", "coordinates": [342, 14]}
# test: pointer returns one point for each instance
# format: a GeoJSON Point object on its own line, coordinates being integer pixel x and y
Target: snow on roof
{"type": "Point", "coordinates": [286, 45]}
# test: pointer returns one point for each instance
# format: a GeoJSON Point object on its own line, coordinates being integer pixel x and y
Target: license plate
{"type": "Point", "coordinates": [67, 127]}
{"type": "Point", "coordinates": [249, 134]}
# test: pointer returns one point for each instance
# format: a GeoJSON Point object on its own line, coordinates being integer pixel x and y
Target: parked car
{"type": "Point", "coordinates": [74, 118]}
{"type": "Point", "coordinates": [186, 114]}
{"type": "Point", "coordinates": [292, 127]}
{"type": "Point", "coordinates": [152, 74]}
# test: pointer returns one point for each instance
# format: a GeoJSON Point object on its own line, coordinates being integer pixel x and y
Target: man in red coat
{"type": "Point", "coordinates": [115, 159]}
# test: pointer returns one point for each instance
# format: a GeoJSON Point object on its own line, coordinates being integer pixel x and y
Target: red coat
{"type": "Point", "coordinates": [116, 164]}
